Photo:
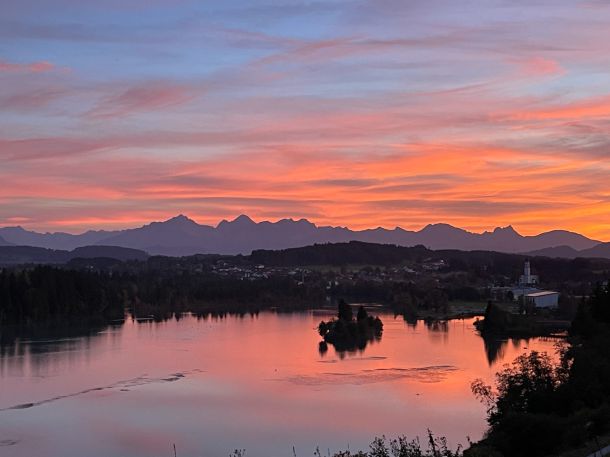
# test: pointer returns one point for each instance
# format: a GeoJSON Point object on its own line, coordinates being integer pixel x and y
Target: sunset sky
{"type": "Point", "coordinates": [362, 113]}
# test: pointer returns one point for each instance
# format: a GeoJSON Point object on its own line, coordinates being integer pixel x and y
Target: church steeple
{"type": "Point", "coordinates": [528, 278]}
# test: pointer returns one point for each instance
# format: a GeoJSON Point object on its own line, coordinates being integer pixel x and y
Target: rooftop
{"type": "Point", "coordinates": [543, 293]}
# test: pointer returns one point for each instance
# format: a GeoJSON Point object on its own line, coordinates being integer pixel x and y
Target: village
{"type": "Point", "coordinates": [455, 290]}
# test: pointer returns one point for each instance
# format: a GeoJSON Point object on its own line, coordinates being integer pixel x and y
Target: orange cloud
{"type": "Point", "coordinates": [594, 107]}
{"type": "Point", "coordinates": [475, 186]}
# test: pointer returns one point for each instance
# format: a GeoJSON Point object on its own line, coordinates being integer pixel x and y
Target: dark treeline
{"type": "Point", "coordinates": [403, 296]}
{"type": "Point", "coordinates": [539, 408]}
{"type": "Point", "coordinates": [413, 280]}
{"type": "Point", "coordinates": [483, 264]}
{"type": "Point", "coordinates": [580, 273]}
{"type": "Point", "coordinates": [463, 275]}
{"type": "Point", "coordinates": [45, 294]}
{"type": "Point", "coordinates": [161, 294]}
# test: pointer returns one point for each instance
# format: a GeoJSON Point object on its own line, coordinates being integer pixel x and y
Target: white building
{"type": "Point", "coordinates": [543, 299]}
{"type": "Point", "coordinates": [518, 291]}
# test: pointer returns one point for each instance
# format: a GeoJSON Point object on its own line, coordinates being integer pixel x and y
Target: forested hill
{"type": "Point", "coordinates": [14, 255]}
{"type": "Point", "coordinates": [360, 253]}
{"type": "Point", "coordinates": [479, 264]}
{"type": "Point", "coordinates": [352, 253]}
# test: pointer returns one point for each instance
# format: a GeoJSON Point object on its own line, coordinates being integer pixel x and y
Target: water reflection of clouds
{"type": "Point", "coordinates": [430, 374]}
{"type": "Point", "coordinates": [262, 388]}
{"type": "Point", "coordinates": [141, 440]}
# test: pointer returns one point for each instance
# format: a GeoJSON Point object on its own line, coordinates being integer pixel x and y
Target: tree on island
{"type": "Point", "coordinates": [345, 311]}
{"type": "Point", "coordinates": [346, 333]}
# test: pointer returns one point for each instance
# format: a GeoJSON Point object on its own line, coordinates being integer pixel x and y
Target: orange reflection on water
{"type": "Point", "coordinates": [255, 382]}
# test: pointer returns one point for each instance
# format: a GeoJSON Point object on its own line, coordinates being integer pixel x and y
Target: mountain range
{"type": "Point", "coordinates": [182, 236]}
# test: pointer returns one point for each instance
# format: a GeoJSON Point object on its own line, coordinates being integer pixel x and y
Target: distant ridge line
{"type": "Point", "coordinates": [181, 235]}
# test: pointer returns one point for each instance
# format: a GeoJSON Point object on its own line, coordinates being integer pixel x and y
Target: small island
{"type": "Point", "coordinates": [499, 322]}
{"type": "Point", "coordinates": [348, 334]}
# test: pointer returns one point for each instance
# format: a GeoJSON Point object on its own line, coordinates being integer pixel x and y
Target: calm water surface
{"type": "Point", "coordinates": [258, 383]}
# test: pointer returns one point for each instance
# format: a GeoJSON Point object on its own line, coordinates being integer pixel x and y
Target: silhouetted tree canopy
{"type": "Point", "coordinates": [538, 408]}
{"type": "Point", "coordinates": [347, 333]}
{"type": "Point", "coordinates": [47, 293]}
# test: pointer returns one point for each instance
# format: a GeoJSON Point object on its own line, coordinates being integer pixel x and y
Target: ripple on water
{"type": "Point", "coordinates": [429, 374]}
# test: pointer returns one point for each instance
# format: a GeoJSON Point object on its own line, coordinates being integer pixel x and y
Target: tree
{"type": "Point", "coordinates": [362, 314]}
{"type": "Point", "coordinates": [345, 311]}
{"type": "Point", "coordinates": [525, 386]}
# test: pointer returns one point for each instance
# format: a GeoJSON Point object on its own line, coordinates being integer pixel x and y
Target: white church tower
{"type": "Point", "coordinates": [527, 278]}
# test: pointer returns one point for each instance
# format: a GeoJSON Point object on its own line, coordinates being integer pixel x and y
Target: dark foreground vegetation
{"type": "Point", "coordinates": [383, 447]}
{"type": "Point", "coordinates": [538, 408]}
{"type": "Point", "coordinates": [347, 333]}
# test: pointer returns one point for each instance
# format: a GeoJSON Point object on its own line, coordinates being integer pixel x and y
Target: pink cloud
{"type": "Point", "coordinates": [393, 158]}
{"type": "Point", "coordinates": [33, 67]}
{"type": "Point", "coordinates": [32, 99]}
{"type": "Point", "coordinates": [540, 66]}
{"type": "Point", "coordinates": [141, 98]}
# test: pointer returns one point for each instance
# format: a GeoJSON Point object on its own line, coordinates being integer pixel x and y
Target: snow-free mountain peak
{"type": "Point", "coordinates": [243, 219]}
{"type": "Point", "coordinates": [181, 235]}
{"type": "Point", "coordinates": [440, 228]}
{"type": "Point", "coordinates": [509, 229]}
{"type": "Point", "coordinates": [240, 221]}
{"type": "Point", "coordinates": [180, 219]}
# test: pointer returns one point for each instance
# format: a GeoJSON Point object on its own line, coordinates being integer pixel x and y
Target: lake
{"type": "Point", "coordinates": [258, 383]}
